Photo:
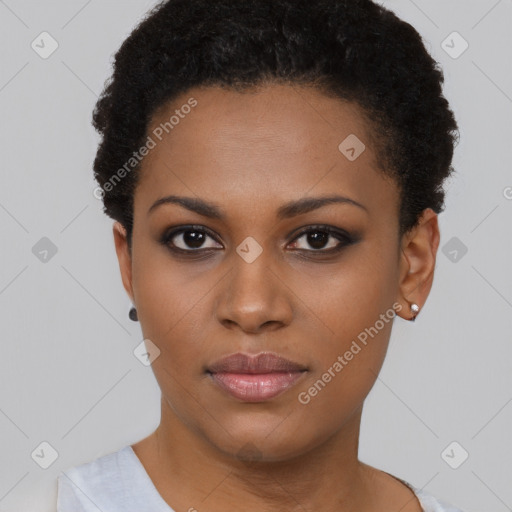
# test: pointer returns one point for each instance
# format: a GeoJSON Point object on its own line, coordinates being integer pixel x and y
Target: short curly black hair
{"type": "Point", "coordinates": [355, 50]}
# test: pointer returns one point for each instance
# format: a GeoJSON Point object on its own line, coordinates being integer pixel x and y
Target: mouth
{"type": "Point", "coordinates": [255, 378]}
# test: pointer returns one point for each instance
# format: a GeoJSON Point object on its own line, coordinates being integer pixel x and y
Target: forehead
{"type": "Point", "coordinates": [274, 143]}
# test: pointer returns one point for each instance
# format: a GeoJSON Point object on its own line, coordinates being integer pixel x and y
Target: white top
{"type": "Point", "coordinates": [119, 482]}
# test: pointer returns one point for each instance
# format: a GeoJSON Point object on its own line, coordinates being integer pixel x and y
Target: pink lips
{"type": "Point", "coordinates": [255, 378]}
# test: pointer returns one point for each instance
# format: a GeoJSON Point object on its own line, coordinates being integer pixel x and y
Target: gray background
{"type": "Point", "coordinates": [69, 376]}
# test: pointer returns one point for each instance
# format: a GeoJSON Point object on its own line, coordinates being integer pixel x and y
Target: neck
{"type": "Point", "coordinates": [190, 470]}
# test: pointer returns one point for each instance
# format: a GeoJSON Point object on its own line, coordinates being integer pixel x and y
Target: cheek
{"type": "Point", "coordinates": [344, 370]}
{"type": "Point", "coordinates": [355, 307]}
{"type": "Point", "coordinates": [348, 297]}
{"type": "Point", "coordinates": [165, 288]}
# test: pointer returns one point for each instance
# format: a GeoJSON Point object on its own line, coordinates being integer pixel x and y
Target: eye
{"type": "Point", "coordinates": [323, 239]}
{"type": "Point", "coordinates": [198, 239]}
{"type": "Point", "coordinates": [189, 239]}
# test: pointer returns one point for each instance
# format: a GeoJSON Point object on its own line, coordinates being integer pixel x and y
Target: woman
{"type": "Point", "coordinates": [275, 171]}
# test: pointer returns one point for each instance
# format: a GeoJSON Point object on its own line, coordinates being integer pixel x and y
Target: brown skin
{"type": "Point", "coordinates": [250, 153]}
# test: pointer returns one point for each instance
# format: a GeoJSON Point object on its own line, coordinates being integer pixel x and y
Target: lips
{"type": "Point", "coordinates": [255, 378]}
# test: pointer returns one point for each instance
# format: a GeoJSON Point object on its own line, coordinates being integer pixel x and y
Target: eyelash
{"type": "Point", "coordinates": [344, 238]}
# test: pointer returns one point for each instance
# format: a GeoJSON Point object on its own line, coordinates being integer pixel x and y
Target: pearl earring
{"type": "Point", "coordinates": [415, 309]}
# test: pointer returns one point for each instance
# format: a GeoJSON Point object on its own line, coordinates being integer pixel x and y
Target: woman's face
{"type": "Point", "coordinates": [244, 276]}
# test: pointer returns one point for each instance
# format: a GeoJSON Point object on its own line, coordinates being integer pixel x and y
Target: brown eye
{"type": "Point", "coordinates": [190, 239]}
{"type": "Point", "coordinates": [321, 239]}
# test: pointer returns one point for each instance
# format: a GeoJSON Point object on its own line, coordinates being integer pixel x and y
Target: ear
{"type": "Point", "coordinates": [124, 257]}
{"type": "Point", "coordinates": [417, 263]}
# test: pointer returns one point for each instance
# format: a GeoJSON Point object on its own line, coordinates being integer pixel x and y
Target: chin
{"type": "Point", "coordinates": [266, 441]}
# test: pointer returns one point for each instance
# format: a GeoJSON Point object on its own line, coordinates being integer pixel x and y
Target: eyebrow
{"type": "Point", "coordinates": [290, 209]}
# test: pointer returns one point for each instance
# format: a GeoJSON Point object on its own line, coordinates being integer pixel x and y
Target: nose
{"type": "Point", "coordinates": [253, 297]}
